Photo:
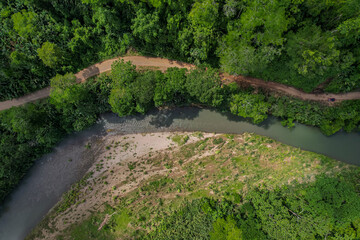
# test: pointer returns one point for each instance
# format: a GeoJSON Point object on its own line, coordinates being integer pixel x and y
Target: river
{"type": "Point", "coordinates": [54, 173]}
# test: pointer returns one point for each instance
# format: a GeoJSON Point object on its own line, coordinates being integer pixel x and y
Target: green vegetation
{"type": "Point", "coordinates": [327, 208]}
{"type": "Point", "coordinates": [133, 91]}
{"type": "Point", "coordinates": [255, 188]}
{"type": "Point", "coordinates": [50, 54]}
{"type": "Point", "coordinates": [29, 131]}
{"type": "Point", "coordinates": [73, 194]}
{"type": "Point", "coordinates": [33, 129]}
{"type": "Point", "coordinates": [180, 140]}
{"type": "Point", "coordinates": [301, 43]}
{"type": "Point", "coordinates": [250, 105]}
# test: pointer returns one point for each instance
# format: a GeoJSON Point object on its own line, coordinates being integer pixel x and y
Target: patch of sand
{"type": "Point", "coordinates": [119, 169]}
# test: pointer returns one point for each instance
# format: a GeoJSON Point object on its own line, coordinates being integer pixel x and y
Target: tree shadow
{"type": "Point", "coordinates": [234, 118]}
{"type": "Point", "coordinates": [165, 118]}
{"type": "Point", "coordinates": [157, 119]}
{"type": "Point", "coordinates": [113, 118]}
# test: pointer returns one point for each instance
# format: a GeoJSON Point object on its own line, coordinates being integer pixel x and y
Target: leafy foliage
{"type": "Point", "coordinates": [191, 223]}
{"type": "Point", "coordinates": [171, 88]}
{"type": "Point", "coordinates": [255, 39]}
{"type": "Point", "coordinates": [24, 23]}
{"type": "Point", "coordinates": [50, 54]}
{"type": "Point", "coordinates": [329, 119]}
{"type": "Point", "coordinates": [327, 207]}
{"type": "Point", "coordinates": [225, 229]}
{"type": "Point", "coordinates": [300, 43]}
{"type": "Point", "coordinates": [136, 92]}
{"type": "Point", "coordinates": [74, 101]}
{"type": "Point", "coordinates": [131, 91]}
{"type": "Point", "coordinates": [249, 105]}
{"type": "Point", "coordinates": [29, 131]}
{"type": "Point", "coordinates": [26, 133]}
{"type": "Point", "coordinates": [204, 86]}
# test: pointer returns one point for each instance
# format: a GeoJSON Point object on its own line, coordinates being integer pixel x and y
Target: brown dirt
{"type": "Point", "coordinates": [140, 61]}
{"type": "Point", "coordinates": [162, 64]}
{"type": "Point", "coordinates": [287, 90]}
{"type": "Point", "coordinates": [112, 167]}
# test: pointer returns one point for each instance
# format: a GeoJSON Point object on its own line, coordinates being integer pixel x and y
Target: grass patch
{"type": "Point", "coordinates": [223, 168]}
{"type": "Point", "coordinates": [180, 139]}
{"type": "Point", "coordinates": [88, 229]}
{"type": "Point", "coordinates": [72, 196]}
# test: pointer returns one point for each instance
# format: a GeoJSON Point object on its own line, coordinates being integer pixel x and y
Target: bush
{"type": "Point", "coordinates": [249, 105]}
{"type": "Point", "coordinates": [326, 208]}
{"type": "Point", "coordinates": [171, 89]}
{"type": "Point", "coordinates": [204, 86]}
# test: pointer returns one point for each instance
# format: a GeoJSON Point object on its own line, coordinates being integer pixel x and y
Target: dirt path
{"type": "Point", "coordinates": [291, 91]}
{"type": "Point", "coordinates": [140, 61]}
{"type": "Point", "coordinates": [162, 64]}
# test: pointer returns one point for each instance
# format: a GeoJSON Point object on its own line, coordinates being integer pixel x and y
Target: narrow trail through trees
{"type": "Point", "coordinates": [162, 64]}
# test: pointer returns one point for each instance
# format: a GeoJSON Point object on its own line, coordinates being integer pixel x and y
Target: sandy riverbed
{"type": "Point", "coordinates": [111, 175]}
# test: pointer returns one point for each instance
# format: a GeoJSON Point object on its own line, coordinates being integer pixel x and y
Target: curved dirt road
{"type": "Point", "coordinates": [162, 64]}
{"type": "Point", "coordinates": [140, 61]}
{"type": "Point", "coordinates": [291, 91]}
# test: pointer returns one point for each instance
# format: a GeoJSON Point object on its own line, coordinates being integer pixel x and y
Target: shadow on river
{"type": "Point", "coordinates": [54, 173]}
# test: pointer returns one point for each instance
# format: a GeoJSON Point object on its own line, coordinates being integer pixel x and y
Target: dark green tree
{"type": "Point", "coordinates": [254, 40]}
{"type": "Point", "coordinates": [250, 105]}
{"type": "Point", "coordinates": [171, 88]}
{"type": "Point", "coordinates": [204, 86]}
{"type": "Point", "coordinates": [74, 101]}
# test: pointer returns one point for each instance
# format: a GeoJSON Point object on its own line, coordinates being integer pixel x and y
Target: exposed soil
{"type": "Point", "coordinates": [134, 172]}
{"type": "Point", "coordinates": [287, 90]}
{"type": "Point", "coordinates": [140, 61]}
{"type": "Point", "coordinates": [162, 64]}
{"type": "Point", "coordinates": [112, 175]}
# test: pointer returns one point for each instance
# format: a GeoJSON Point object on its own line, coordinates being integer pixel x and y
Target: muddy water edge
{"type": "Point", "coordinates": [53, 174]}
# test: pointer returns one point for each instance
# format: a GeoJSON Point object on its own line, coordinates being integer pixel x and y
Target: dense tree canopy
{"type": "Point", "coordinates": [301, 43]}
{"type": "Point", "coordinates": [204, 86]}
{"type": "Point", "coordinates": [326, 208]}
{"type": "Point", "coordinates": [249, 105]}
{"type": "Point", "coordinates": [255, 38]}
{"type": "Point", "coordinates": [171, 89]}
{"type": "Point", "coordinates": [50, 54]}
{"type": "Point", "coordinates": [75, 101]}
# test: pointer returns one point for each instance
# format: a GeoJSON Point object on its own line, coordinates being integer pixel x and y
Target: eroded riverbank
{"type": "Point", "coordinates": [53, 174]}
{"type": "Point", "coordinates": [111, 176]}
{"type": "Point", "coordinates": [136, 177]}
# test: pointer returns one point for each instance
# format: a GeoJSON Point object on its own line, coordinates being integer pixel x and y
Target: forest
{"type": "Point", "coordinates": [31, 130]}
{"type": "Point", "coordinates": [243, 190]}
{"type": "Point", "coordinates": [302, 43]}
{"type": "Point", "coordinates": [317, 214]}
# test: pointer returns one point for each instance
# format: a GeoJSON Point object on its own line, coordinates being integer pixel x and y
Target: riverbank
{"type": "Point", "coordinates": [138, 177]}
{"type": "Point", "coordinates": [74, 107]}
{"type": "Point", "coordinates": [112, 176]}
{"type": "Point", "coordinates": [41, 188]}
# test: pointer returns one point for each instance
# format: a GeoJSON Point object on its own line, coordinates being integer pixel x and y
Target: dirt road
{"type": "Point", "coordinates": [140, 61]}
{"type": "Point", "coordinates": [162, 64]}
{"type": "Point", "coordinates": [291, 91]}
